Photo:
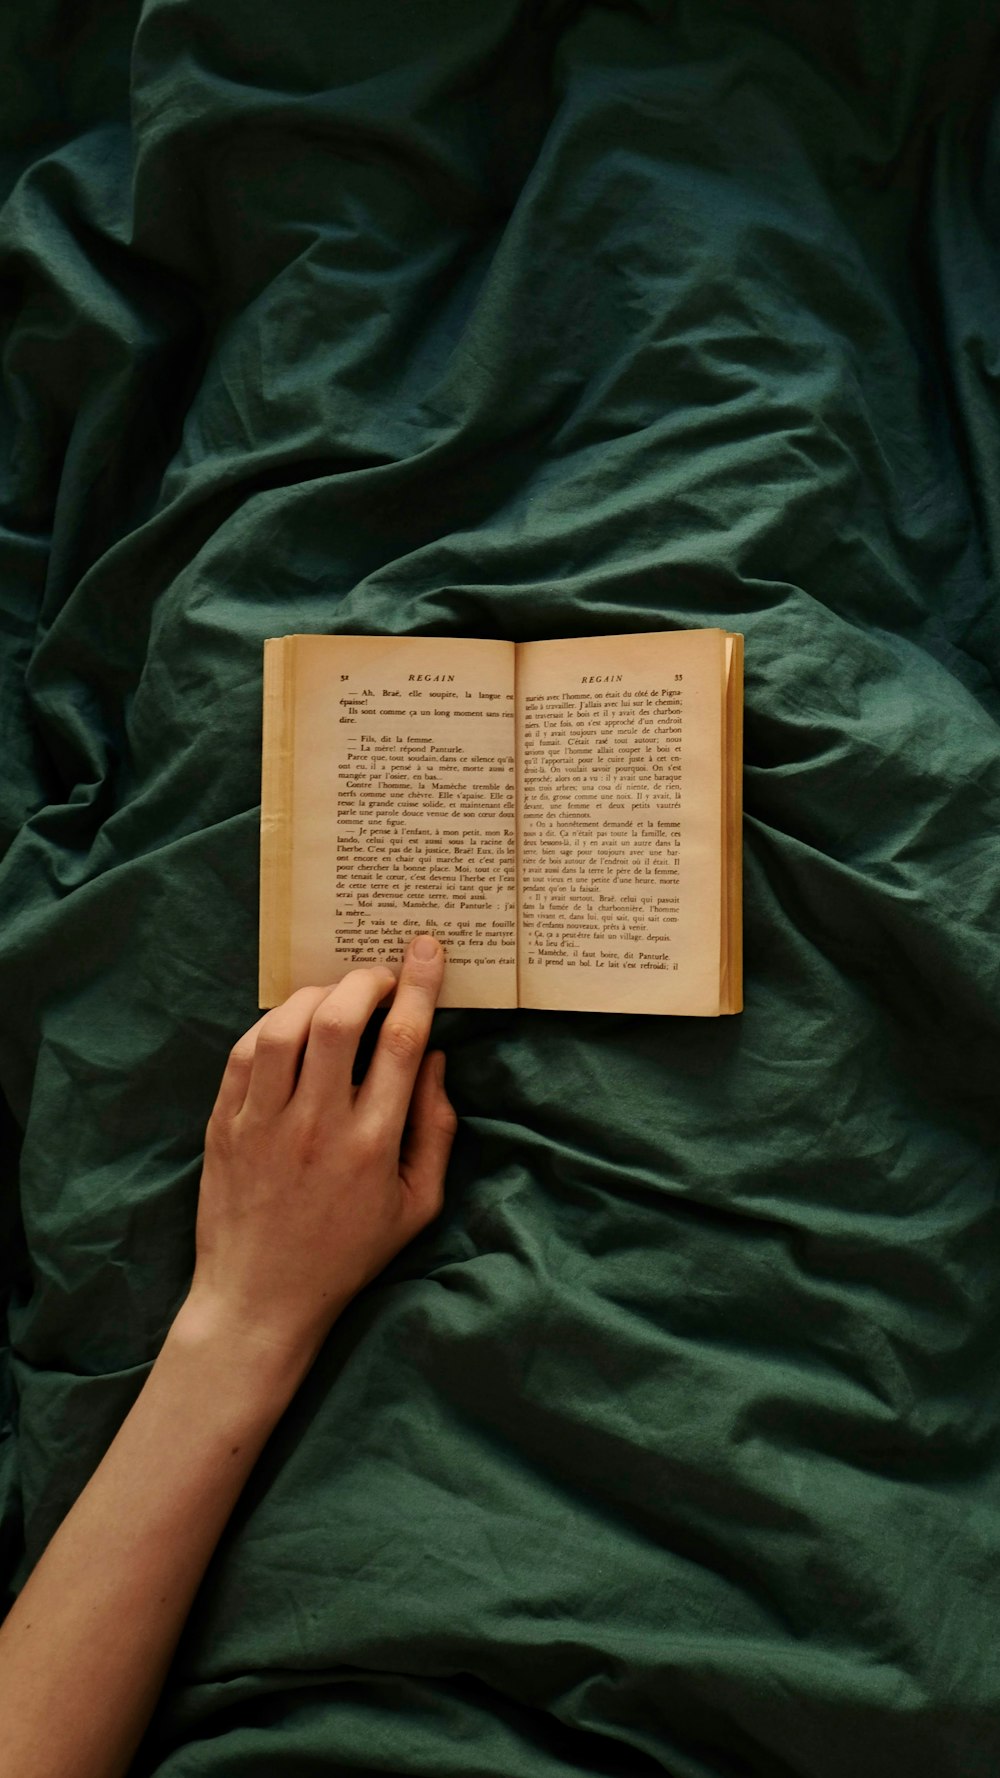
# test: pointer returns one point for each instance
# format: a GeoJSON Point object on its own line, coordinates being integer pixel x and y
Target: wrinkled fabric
{"type": "Point", "coordinates": [674, 1446]}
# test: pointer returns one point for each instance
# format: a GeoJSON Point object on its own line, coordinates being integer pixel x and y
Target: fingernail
{"type": "Point", "coordinates": [425, 947]}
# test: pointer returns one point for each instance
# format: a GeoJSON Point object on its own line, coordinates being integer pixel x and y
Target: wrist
{"type": "Point", "coordinates": [241, 1368]}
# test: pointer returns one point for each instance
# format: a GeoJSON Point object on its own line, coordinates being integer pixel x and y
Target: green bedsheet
{"type": "Point", "coordinates": [674, 1447]}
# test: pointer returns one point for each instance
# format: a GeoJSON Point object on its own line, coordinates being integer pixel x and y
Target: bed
{"type": "Point", "coordinates": [674, 1445]}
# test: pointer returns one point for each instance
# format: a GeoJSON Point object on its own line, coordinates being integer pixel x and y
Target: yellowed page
{"type": "Point", "coordinates": [620, 822]}
{"type": "Point", "coordinates": [277, 760]}
{"type": "Point", "coordinates": [403, 816]}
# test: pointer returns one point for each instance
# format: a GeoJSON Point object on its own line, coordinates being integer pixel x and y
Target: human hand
{"type": "Point", "coordinates": [311, 1185]}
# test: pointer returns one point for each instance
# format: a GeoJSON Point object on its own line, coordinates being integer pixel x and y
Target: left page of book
{"type": "Point", "coordinates": [388, 808]}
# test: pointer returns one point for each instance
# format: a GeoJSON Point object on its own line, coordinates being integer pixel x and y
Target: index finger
{"type": "Point", "coordinates": [392, 1071]}
{"type": "Point", "coordinates": [334, 1034]}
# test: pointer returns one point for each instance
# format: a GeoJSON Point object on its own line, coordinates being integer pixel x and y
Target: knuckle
{"type": "Point", "coordinates": [330, 1025]}
{"type": "Point", "coordinates": [218, 1131]}
{"type": "Point", "coordinates": [403, 1040]}
{"type": "Point", "coordinates": [369, 1146]}
{"type": "Point", "coordinates": [274, 1038]}
{"type": "Point", "coordinates": [241, 1055]}
{"type": "Point", "coordinates": [226, 1131]}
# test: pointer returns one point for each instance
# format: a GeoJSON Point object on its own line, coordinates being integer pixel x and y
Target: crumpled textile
{"type": "Point", "coordinates": [674, 1446]}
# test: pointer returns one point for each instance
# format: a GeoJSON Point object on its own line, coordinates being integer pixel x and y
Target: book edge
{"type": "Point", "coordinates": [277, 790]}
{"type": "Point", "coordinates": [734, 850]}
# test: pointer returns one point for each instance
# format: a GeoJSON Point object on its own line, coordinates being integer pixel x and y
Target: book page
{"type": "Point", "coordinates": [620, 822]}
{"type": "Point", "coordinates": [404, 809]}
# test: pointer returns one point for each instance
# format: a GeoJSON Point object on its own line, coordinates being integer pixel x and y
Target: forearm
{"type": "Point", "coordinates": [84, 1652]}
{"type": "Point", "coordinates": [308, 1188]}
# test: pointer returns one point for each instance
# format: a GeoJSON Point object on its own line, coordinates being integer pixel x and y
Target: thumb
{"type": "Point", "coordinates": [427, 1140]}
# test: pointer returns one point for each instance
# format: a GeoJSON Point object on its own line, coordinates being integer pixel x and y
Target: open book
{"type": "Point", "coordinates": [564, 816]}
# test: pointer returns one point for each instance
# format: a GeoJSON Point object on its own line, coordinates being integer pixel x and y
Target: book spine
{"type": "Point", "coordinates": [518, 782]}
{"type": "Point", "coordinates": [276, 805]}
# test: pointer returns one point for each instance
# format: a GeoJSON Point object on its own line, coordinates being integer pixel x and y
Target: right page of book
{"type": "Point", "coordinates": [620, 820]}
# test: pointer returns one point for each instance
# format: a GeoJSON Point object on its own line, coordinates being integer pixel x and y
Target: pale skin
{"type": "Point", "coordinates": [309, 1187]}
